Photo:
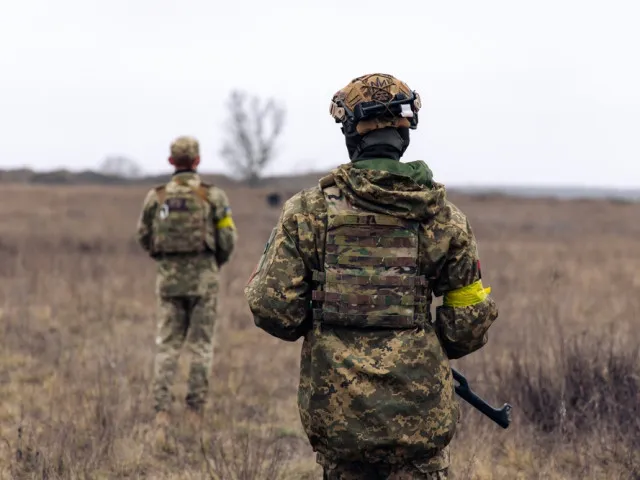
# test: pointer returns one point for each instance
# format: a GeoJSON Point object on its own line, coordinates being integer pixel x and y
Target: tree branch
{"type": "Point", "coordinates": [252, 132]}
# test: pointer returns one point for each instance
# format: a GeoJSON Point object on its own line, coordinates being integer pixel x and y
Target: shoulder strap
{"type": "Point", "coordinates": [327, 181]}
{"type": "Point", "coordinates": [202, 191]}
{"type": "Point", "coordinates": [335, 201]}
{"type": "Point", "coordinates": [161, 192]}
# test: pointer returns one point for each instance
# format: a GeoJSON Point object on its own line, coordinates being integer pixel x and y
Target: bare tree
{"type": "Point", "coordinates": [121, 166]}
{"type": "Point", "coordinates": [252, 131]}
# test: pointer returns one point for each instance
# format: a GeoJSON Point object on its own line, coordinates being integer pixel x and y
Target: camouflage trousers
{"type": "Point", "coordinates": [190, 321]}
{"type": "Point", "coordinates": [362, 471]}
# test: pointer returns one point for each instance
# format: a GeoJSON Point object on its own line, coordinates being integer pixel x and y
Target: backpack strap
{"type": "Point", "coordinates": [202, 191]}
{"type": "Point", "coordinates": [161, 192]}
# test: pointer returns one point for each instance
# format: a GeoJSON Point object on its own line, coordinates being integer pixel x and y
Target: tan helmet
{"type": "Point", "coordinates": [373, 101]}
{"type": "Point", "coordinates": [185, 147]}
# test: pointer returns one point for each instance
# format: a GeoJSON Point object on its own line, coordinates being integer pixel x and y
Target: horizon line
{"type": "Point", "coordinates": [231, 177]}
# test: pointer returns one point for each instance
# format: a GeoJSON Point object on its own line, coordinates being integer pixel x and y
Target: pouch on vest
{"type": "Point", "coordinates": [180, 224]}
{"type": "Point", "coordinates": [371, 276]}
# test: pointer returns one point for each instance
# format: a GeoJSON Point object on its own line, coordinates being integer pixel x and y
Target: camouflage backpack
{"type": "Point", "coordinates": [181, 220]}
{"type": "Point", "coordinates": [370, 276]}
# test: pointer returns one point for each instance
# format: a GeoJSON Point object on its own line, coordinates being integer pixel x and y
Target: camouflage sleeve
{"type": "Point", "coordinates": [226, 232]}
{"type": "Point", "coordinates": [143, 230]}
{"type": "Point", "coordinates": [467, 310]}
{"type": "Point", "coordinates": [278, 291]}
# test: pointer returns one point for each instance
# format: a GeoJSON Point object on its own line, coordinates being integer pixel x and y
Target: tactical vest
{"type": "Point", "coordinates": [371, 275]}
{"type": "Point", "coordinates": [182, 218]}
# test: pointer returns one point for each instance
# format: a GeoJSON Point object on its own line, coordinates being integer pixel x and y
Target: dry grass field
{"type": "Point", "coordinates": [77, 328]}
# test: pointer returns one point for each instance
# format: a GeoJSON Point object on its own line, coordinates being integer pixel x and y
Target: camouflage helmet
{"type": "Point", "coordinates": [186, 148]}
{"type": "Point", "coordinates": [375, 101]}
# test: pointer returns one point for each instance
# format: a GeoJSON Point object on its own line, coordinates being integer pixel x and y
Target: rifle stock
{"type": "Point", "coordinates": [501, 416]}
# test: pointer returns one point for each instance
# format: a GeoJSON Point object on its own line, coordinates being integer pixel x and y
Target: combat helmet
{"type": "Point", "coordinates": [375, 101]}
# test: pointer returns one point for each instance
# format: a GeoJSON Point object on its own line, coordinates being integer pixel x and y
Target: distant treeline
{"type": "Point", "coordinates": [86, 177]}
{"type": "Point", "coordinates": [90, 177]}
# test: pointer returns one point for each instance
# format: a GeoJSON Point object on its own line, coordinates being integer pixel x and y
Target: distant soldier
{"type": "Point", "coordinates": [186, 226]}
{"type": "Point", "coordinates": [352, 266]}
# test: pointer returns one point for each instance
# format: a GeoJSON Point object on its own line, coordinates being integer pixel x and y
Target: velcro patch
{"type": "Point", "coordinates": [176, 204]}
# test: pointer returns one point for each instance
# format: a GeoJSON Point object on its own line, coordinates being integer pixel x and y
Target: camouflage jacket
{"type": "Point", "coordinates": [379, 394]}
{"type": "Point", "coordinates": [183, 275]}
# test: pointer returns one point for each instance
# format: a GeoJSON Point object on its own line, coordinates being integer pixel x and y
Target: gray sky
{"type": "Point", "coordinates": [514, 92]}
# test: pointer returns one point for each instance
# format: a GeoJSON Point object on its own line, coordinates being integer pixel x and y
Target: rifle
{"type": "Point", "coordinates": [502, 416]}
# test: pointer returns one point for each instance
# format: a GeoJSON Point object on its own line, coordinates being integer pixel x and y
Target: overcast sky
{"type": "Point", "coordinates": [514, 92]}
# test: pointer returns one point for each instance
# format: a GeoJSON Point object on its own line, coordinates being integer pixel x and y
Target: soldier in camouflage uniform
{"type": "Point", "coordinates": [186, 226]}
{"type": "Point", "coordinates": [352, 267]}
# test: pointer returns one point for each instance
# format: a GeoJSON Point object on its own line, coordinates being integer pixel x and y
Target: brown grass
{"type": "Point", "coordinates": [77, 328]}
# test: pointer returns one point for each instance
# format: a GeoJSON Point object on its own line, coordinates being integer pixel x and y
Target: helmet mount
{"type": "Point", "coordinates": [375, 101]}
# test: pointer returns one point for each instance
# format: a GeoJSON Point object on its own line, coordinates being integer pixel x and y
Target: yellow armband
{"type": "Point", "coordinates": [226, 222]}
{"type": "Point", "coordinates": [466, 296]}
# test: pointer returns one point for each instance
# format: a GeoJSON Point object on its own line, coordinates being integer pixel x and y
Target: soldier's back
{"type": "Point", "coordinates": [375, 382]}
{"type": "Point", "coordinates": [184, 240]}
